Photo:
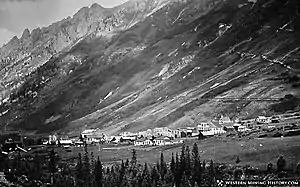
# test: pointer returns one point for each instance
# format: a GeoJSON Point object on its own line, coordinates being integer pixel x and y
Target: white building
{"type": "Point", "coordinates": [263, 119]}
{"type": "Point", "coordinates": [53, 139]}
{"type": "Point", "coordinates": [224, 120]}
{"type": "Point", "coordinates": [143, 142]}
{"type": "Point", "coordinates": [203, 127]}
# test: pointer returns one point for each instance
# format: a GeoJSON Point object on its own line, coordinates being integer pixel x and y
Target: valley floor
{"type": "Point", "coordinates": [257, 152]}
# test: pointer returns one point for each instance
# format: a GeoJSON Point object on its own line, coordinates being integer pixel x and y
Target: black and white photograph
{"type": "Point", "coordinates": [149, 93]}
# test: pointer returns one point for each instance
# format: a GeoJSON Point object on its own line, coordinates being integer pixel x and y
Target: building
{"type": "Point", "coordinates": [204, 126]}
{"type": "Point", "coordinates": [53, 139]}
{"type": "Point", "coordinates": [65, 142]}
{"type": "Point", "coordinates": [224, 120]}
{"type": "Point", "coordinates": [176, 133]}
{"type": "Point", "coordinates": [128, 139]}
{"type": "Point", "coordinates": [161, 141]}
{"type": "Point", "coordinates": [92, 136]}
{"type": "Point", "coordinates": [263, 119]}
{"type": "Point", "coordinates": [143, 142]}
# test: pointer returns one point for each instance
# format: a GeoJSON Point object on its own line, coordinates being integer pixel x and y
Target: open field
{"type": "Point", "coordinates": [256, 152]}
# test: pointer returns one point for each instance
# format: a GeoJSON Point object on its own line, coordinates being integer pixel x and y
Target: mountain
{"type": "Point", "coordinates": [151, 63]}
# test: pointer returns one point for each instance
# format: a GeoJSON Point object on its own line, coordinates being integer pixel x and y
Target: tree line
{"type": "Point", "coordinates": [185, 169]}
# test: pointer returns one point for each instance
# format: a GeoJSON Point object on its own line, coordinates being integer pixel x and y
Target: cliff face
{"type": "Point", "coordinates": [153, 63]}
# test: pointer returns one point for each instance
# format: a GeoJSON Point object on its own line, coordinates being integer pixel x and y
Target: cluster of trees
{"type": "Point", "coordinates": [183, 170]}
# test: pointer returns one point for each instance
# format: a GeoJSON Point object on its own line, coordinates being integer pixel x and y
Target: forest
{"type": "Point", "coordinates": [184, 169]}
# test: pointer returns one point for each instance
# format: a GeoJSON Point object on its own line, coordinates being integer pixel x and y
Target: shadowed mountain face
{"type": "Point", "coordinates": [153, 63]}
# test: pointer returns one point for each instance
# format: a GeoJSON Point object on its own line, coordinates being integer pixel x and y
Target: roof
{"type": "Point", "coordinates": [162, 138]}
{"type": "Point", "coordinates": [225, 119]}
{"type": "Point", "coordinates": [141, 140]}
{"type": "Point", "coordinates": [215, 124]}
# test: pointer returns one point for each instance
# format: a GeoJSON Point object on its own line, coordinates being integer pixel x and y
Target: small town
{"type": "Point", "coordinates": [163, 136]}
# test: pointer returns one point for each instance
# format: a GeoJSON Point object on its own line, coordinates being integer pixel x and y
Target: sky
{"type": "Point", "coordinates": [17, 15]}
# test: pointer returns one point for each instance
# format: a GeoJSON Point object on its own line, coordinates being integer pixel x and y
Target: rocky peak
{"type": "Point", "coordinates": [26, 34]}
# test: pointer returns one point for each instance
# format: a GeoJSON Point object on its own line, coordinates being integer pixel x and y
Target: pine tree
{"type": "Point", "coordinates": [177, 174]}
{"type": "Point", "coordinates": [38, 167]}
{"type": "Point", "coordinates": [145, 180]}
{"type": "Point", "coordinates": [154, 175]}
{"type": "Point", "coordinates": [196, 167]}
{"type": "Point", "coordinates": [172, 164]}
{"type": "Point", "coordinates": [188, 162]}
{"type": "Point", "coordinates": [163, 166]}
{"type": "Point", "coordinates": [168, 180]}
{"type": "Point", "coordinates": [79, 172]}
{"type": "Point", "coordinates": [133, 158]}
{"type": "Point", "coordinates": [127, 163]}
{"type": "Point", "coordinates": [211, 173]}
{"type": "Point", "coordinates": [98, 173]}
{"type": "Point", "coordinates": [122, 173]}
{"type": "Point", "coordinates": [52, 165]}
{"type": "Point", "coordinates": [281, 163]}
{"type": "Point", "coordinates": [237, 160]}
{"type": "Point", "coordinates": [86, 168]}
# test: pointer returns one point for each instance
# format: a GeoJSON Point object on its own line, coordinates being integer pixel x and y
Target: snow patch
{"type": "Point", "coordinates": [172, 53]}
{"type": "Point", "coordinates": [164, 70]}
{"type": "Point", "coordinates": [215, 85]}
{"type": "Point", "coordinates": [108, 95]}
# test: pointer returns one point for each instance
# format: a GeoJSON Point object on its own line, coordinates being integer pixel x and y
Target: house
{"type": "Point", "coordinates": [211, 128]}
{"type": "Point", "coordinates": [195, 132]}
{"type": "Point", "coordinates": [224, 120]}
{"type": "Point", "coordinates": [160, 141]}
{"type": "Point", "coordinates": [249, 123]}
{"type": "Point", "coordinates": [115, 139]}
{"type": "Point", "coordinates": [145, 134]}
{"type": "Point", "coordinates": [53, 139]}
{"type": "Point", "coordinates": [204, 126]}
{"type": "Point", "coordinates": [275, 119]}
{"type": "Point", "coordinates": [176, 133]}
{"type": "Point", "coordinates": [128, 134]}
{"type": "Point", "coordinates": [128, 139]}
{"type": "Point", "coordinates": [92, 136]}
{"type": "Point", "coordinates": [263, 119]}
{"type": "Point", "coordinates": [143, 142]}
{"type": "Point", "coordinates": [65, 142]}
{"type": "Point", "coordinates": [79, 143]}
{"type": "Point", "coordinates": [242, 128]}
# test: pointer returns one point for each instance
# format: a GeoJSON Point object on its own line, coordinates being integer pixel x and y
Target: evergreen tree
{"type": "Point", "coordinates": [163, 166]}
{"type": "Point", "coordinates": [98, 173]}
{"type": "Point", "coordinates": [86, 167]}
{"type": "Point", "coordinates": [211, 173]}
{"type": "Point", "coordinates": [133, 158]}
{"type": "Point", "coordinates": [52, 165]}
{"type": "Point", "coordinates": [237, 160]}
{"type": "Point", "coordinates": [122, 173]}
{"type": "Point", "coordinates": [79, 172]}
{"type": "Point", "coordinates": [154, 175]}
{"type": "Point", "coordinates": [127, 163]}
{"type": "Point", "coordinates": [173, 164]}
{"type": "Point", "coordinates": [188, 162]}
{"type": "Point", "coordinates": [281, 163]}
{"type": "Point", "coordinates": [145, 180]}
{"type": "Point", "coordinates": [168, 180]}
{"type": "Point", "coordinates": [196, 167]}
{"type": "Point", "coordinates": [177, 174]}
{"type": "Point", "coordinates": [38, 167]}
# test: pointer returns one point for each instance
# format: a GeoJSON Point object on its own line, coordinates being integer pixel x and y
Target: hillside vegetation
{"type": "Point", "coordinates": [148, 64]}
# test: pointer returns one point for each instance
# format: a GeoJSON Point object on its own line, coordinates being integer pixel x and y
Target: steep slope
{"type": "Point", "coordinates": [167, 63]}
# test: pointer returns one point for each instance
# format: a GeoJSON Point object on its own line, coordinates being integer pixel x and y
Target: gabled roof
{"type": "Point", "coordinates": [215, 124]}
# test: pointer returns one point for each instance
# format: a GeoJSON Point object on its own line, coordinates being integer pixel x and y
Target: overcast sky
{"type": "Point", "coordinates": [17, 15]}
